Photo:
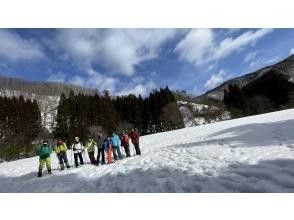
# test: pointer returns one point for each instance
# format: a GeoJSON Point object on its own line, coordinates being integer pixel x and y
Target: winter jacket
{"type": "Point", "coordinates": [107, 144]}
{"type": "Point", "coordinates": [135, 137]}
{"type": "Point", "coordinates": [115, 140]}
{"type": "Point", "coordinates": [91, 146]}
{"type": "Point", "coordinates": [124, 140]}
{"type": "Point", "coordinates": [77, 147]}
{"type": "Point", "coordinates": [60, 148]}
{"type": "Point", "coordinates": [44, 151]}
{"type": "Point", "coordinates": [100, 142]}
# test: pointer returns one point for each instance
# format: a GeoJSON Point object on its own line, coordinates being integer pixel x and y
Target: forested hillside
{"type": "Point", "coordinates": [81, 115]}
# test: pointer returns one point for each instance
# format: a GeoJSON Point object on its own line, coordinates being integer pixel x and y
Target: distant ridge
{"type": "Point", "coordinates": [41, 88]}
{"type": "Point", "coordinates": [285, 67]}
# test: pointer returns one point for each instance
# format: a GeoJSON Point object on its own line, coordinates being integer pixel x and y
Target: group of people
{"type": "Point", "coordinates": [106, 148]}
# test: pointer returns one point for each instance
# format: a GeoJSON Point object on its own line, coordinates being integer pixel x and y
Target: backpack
{"type": "Point", "coordinates": [125, 139]}
{"type": "Point", "coordinates": [44, 151]}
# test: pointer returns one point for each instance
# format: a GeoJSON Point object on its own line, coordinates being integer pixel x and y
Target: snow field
{"type": "Point", "coordinates": [252, 154]}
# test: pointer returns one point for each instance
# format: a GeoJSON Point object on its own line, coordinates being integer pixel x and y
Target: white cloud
{"type": "Point", "coordinates": [117, 50]}
{"type": "Point", "coordinates": [291, 51]}
{"type": "Point", "coordinates": [261, 62]}
{"type": "Point", "coordinates": [231, 31]}
{"type": "Point", "coordinates": [96, 80]}
{"type": "Point", "coordinates": [250, 56]}
{"type": "Point", "coordinates": [195, 46]}
{"type": "Point", "coordinates": [138, 89]}
{"type": "Point", "coordinates": [57, 77]}
{"type": "Point", "coordinates": [200, 46]}
{"type": "Point", "coordinates": [272, 60]}
{"type": "Point", "coordinates": [15, 48]}
{"type": "Point", "coordinates": [77, 80]}
{"type": "Point", "coordinates": [216, 79]}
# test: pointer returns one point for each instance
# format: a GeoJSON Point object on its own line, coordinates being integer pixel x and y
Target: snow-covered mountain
{"type": "Point", "coordinates": [285, 67]}
{"type": "Point", "coordinates": [199, 114]}
{"type": "Point", "coordinates": [252, 154]}
{"type": "Point", "coordinates": [47, 105]}
{"type": "Point", "coordinates": [47, 94]}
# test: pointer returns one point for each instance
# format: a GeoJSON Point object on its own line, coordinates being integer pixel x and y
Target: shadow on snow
{"type": "Point", "coordinates": [266, 176]}
{"type": "Point", "coordinates": [250, 135]}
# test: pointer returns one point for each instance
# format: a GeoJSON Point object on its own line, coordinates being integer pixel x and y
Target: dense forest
{"type": "Point", "coordinates": [82, 115]}
{"type": "Point", "coordinates": [270, 92]}
{"type": "Point", "coordinates": [20, 125]}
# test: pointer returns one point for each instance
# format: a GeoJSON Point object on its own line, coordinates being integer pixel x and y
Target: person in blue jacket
{"type": "Point", "coordinates": [116, 146]}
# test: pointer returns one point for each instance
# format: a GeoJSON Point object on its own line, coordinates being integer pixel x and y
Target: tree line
{"type": "Point", "coordinates": [271, 92]}
{"type": "Point", "coordinates": [83, 115]}
{"type": "Point", "coordinates": [20, 125]}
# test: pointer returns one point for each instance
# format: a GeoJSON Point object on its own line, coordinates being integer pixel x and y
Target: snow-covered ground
{"type": "Point", "coordinates": [253, 154]}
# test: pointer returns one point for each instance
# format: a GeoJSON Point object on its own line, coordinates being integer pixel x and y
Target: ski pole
{"type": "Point", "coordinates": [58, 162]}
{"type": "Point", "coordinates": [71, 157]}
{"type": "Point", "coordinates": [84, 154]}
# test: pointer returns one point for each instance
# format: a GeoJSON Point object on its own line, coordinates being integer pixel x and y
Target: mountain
{"type": "Point", "coordinates": [285, 67]}
{"type": "Point", "coordinates": [227, 156]}
{"type": "Point", "coordinates": [47, 95]}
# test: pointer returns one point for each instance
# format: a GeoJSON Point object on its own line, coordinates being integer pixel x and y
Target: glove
{"type": "Point", "coordinates": [74, 149]}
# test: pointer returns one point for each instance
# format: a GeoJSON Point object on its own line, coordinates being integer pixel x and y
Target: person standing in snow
{"type": "Point", "coordinates": [44, 153]}
{"type": "Point", "coordinates": [78, 148]}
{"type": "Point", "coordinates": [135, 140]}
{"type": "Point", "coordinates": [116, 146]}
{"type": "Point", "coordinates": [90, 146]}
{"type": "Point", "coordinates": [100, 149]}
{"type": "Point", "coordinates": [60, 149]}
{"type": "Point", "coordinates": [124, 139]}
{"type": "Point", "coordinates": [107, 145]}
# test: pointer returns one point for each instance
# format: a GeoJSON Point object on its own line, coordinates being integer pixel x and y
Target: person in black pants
{"type": "Point", "coordinates": [100, 150]}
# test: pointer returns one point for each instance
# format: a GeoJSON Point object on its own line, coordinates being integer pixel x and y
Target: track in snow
{"type": "Point", "coordinates": [253, 154]}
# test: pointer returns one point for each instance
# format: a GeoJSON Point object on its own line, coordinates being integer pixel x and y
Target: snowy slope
{"type": "Point", "coordinates": [253, 154]}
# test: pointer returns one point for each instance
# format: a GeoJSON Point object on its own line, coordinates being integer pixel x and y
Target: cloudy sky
{"type": "Point", "coordinates": [136, 61]}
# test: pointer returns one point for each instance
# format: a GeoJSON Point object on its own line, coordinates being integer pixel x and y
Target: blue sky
{"type": "Point", "coordinates": [139, 60]}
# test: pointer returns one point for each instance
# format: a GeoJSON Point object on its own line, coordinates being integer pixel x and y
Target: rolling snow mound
{"type": "Point", "coordinates": [252, 154]}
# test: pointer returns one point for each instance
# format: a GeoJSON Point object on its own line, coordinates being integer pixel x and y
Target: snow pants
{"type": "Point", "coordinates": [92, 157]}
{"type": "Point", "coordinates": [137, 149]}
{"type": "Point", "coordinates": [116, 152]}
{"type": "Point", "coordinates": [101, 152]}
{"type": "Point", "coordinates": [127, 149]}
{"type": "Point", "coordinates": [46, 161]}
{"type": "Point", "coordinates": [78, 156]}
{"type": "Point", "coordinates": [109, 152]}
{"type": "Point", "coordinates": [62, 157]}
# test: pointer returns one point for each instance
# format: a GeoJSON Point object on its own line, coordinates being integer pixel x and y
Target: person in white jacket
{"type": "Point", "coordinates": [78, 148]}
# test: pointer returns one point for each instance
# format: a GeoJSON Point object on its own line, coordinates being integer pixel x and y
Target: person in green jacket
{"type": "Point", "coordinates": [44, 152]}
{"type": "Point", "coordinates": [90, 146]}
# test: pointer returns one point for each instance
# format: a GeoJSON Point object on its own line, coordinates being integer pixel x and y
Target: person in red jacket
{"type": "Point", "coordinates": [135, 140]}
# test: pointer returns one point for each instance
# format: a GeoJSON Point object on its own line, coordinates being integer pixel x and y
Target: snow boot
{"type": "Point", "coordinates": [39, 174]}
{"type": "Point", "coordinates": [62, 166]}
{"type": "Point", "coordinates": [49, 172]}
